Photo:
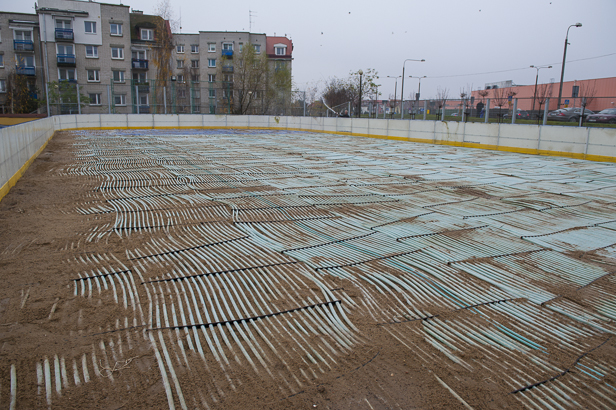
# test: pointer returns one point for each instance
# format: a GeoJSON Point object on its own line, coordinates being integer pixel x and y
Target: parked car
{"type": "Point", "coordinates": [568, 114]}
{"type": "Point", "coordinates": [455, 114]}
{"type": "Point", "coordinates": [606, 116]}
{"type": "Point", "coordinates": [521, 115]}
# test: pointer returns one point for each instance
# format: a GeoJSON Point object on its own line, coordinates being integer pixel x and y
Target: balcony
{"type": "Point", "coordinates": [227, 69]}
{"type": "Point", "coordinates": [64, 34]}
{"type": "Point", "coordinates": [140, 64]}
{"type": "Point", "coordinates": [25, 70]}
{"type": "Point", "coordinates": [227, 53]}
{"type": "Point", "coordinates": [66, 60]}
{"type": "Point", "coordinates": [23, 45]}
{"type": "Point", "coordinates": [144, 109]}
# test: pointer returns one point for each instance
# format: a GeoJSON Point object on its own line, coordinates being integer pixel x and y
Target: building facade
{"type": "Point", "coordinates": [20, 54]}
{"type": "Point", "coordinates": [103, 58]}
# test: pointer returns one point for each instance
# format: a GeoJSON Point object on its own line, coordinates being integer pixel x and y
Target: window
{"type": "Point", "coordinates": [280, 65]}
{"type": "Point", "coordinates": [227, 46]}
{"type": "Point", "coordinates": [22, 35]}
{"type": "Point", "coordinates": [147, 34]}
{"type": "Point", "coordinates": [118, 76]}
{"type": "Point", "coordinates": [211, 62]}
{"type": "Point", "coordinates": [66, 74]}
{"type": "Point", "coordinates": [65, 24]}
{"type": "Point", "coordinates": [90, 27]}
{"type": "Point", "coordinates": [180, 63]}
{"type": "Point", "coordinates": [194, 48]}
{"type": "Point", "coordinates": [119, 99]}
{"type": "Point", "coordinates": [180, 78]}
{"type": "Point", "coordinates": [194, 63]}
{"type": "Point", "coordinates": [2, 86]}
{"type": "Point", "coordinates": [213, 93]}
{"type": "Point", "coordinates": [115, 29]}
{"type": "Point", "coordinates": [197, 94]}
{"type": "Point", "coordinates": [95, 99]}
{"type": "Point", "coordinates": [227, 78]}
{"type": "Point", "coordinates": [181, 93]}
{"type": "Point", "coordinates": [194, 78]}
{"type": "Point", "coordinates": [140, 77]}
{"type": "Point", "coordinates": [241, 47]}
{"type": "Point", "coordinates": [1, 60]}
{"type": "Point", "coordinates": [280, 50]}
{"type": "Point", "coordinates": [91, 52]}
{"type": "Point", "coordinates": [211, 47]}
{"type": "Point", "coordinates": [211, 78]}
{"type": "Point", "coordinates": [257, 48]}
{"type": "Point", "coordinates": [179, 48]}
{"type": "Point", "coordinates": [117, 53]}
{"type": "Point", "coordinates": [139, 55]}
{"type": "Point", "coordinates": [65, 50]}
{"type": "Point", "coordinates": [143, 99]}
{"type": "Point", "coordinates": [24, 60]}
{"type": "Point", "coordinates": [94, 76]}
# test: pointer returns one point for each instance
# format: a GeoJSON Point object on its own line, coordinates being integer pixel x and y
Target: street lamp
{"type": "Point", "coordinates": [537, 79]}
{"type": "Point", "coordinates": [402, 93]}
{"type": "Point", "coordinates": [395, 92]}
{"type": "Point", "coordinates": [562, 72]}
{"type": "Point", "coordinates": [419, 89]}
{"type": "Point", "coordinates": [360, 72]}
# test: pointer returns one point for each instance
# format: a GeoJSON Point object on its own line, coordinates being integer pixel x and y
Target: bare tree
{"type": "Point", "coordinates": [588, 92]}
{"type": "Point", "coordinates": [483, 94]}
{"type": "Point", "coordinates": [442, 95]}
{"type": "Point", "coordinates": [162, 50]}
{"type": "Point", "coordinates": [544, 91]}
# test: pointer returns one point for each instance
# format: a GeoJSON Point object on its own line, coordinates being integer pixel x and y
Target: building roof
{"type": "Point", "coordinates": [271, 41]}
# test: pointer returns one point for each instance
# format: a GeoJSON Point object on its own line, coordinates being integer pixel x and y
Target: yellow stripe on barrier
{"type": "Point", "coordinates": [4, 190]}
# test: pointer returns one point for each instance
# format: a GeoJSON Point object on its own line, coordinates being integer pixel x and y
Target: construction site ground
{"type": "Point", "coordinates": [255, 269]}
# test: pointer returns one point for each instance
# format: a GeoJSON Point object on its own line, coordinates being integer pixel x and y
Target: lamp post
{"type": "Point", "coordinates": [562, 71]}
{"type": "Point", "coordinates": [419, 88]}
{"type": "Point", "coordinates": [536, 80]}
{"type": "Point", "coordinates": [402, 91]}
{"type": "Point", "coordinates": [395, 92]}
{"type": "Point", "coordinates": [360, 72]}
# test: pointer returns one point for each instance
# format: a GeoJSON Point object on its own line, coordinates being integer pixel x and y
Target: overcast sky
{"type": "Point", "coordinates": [464, 42]}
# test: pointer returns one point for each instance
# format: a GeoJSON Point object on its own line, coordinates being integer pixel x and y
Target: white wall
{"type": "Point", "coordinates": [19, 143]}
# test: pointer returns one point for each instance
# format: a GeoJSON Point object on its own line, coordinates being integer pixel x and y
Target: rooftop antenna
{"type": "Point", "coordinates": [251, 14]}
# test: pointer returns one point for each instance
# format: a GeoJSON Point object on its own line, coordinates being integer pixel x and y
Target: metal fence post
{"type": "Point", "coordinates": [137, 98]}
{"type": "Point", "coordinates": [515, 110]}
{"type": "Point", "coordinates": [545, 111]}
{"type": "Point", "coordinates": [47, 98]}
{"type": "Point", "coordinates": [109, 98]}
{"type": "Point", "coordinates": [165, 98]}
{"type": "Point", "coordinates": [487, 112]}
{"type": "Point", "coordinates": [78, 99]}
{"type": "Point", "coordinates": [425, 109]}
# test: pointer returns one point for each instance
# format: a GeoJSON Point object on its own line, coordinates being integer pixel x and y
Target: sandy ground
{"type": "Point", "coordinates": [281, 270]}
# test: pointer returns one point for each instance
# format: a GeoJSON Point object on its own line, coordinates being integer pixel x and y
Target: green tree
{"type": "Point", "coordinates": [63, 94]}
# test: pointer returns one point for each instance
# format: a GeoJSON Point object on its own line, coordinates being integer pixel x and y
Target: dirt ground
{"type": "Point", "coordinates": [238, 270]}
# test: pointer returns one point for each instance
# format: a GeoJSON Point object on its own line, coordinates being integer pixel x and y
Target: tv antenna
{"type": "Point", "coordinates": [251, 14]}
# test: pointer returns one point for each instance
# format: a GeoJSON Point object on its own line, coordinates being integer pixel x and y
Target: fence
{"type": "Point", "coordinates": [171, 97]}
{"type": "Point", "coordinates": [489, 110]}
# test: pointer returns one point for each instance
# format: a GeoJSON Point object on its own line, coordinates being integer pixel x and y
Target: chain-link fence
{"type": "Point", "coordinates": [221, 97]}
{"type": "Point", "coordinates": [171, 97]}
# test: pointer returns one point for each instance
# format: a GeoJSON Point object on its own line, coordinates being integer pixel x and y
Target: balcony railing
{"type": "Point", "coordinates": [227, 53]}
{"type": "Point", "coordinates": [65, 34]}
{"type": "Point", "coordinates": [66, 60]}
{"type": "Point", "coordinates": [144, 109]}
{"type": "Point", "coordinates": [227, 69]}
{"type": "Point", "coordinates": [24, 70]}
{"type": "Point", "coordinates": [23, 45]}
{"type": "Point", "coordinates": [140, 64]}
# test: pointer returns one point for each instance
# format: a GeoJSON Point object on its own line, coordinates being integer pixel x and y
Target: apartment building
{"type": "Point", "coordinates": [20, 53]}
{"type": "Point", "coordinates": [125, 61]}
